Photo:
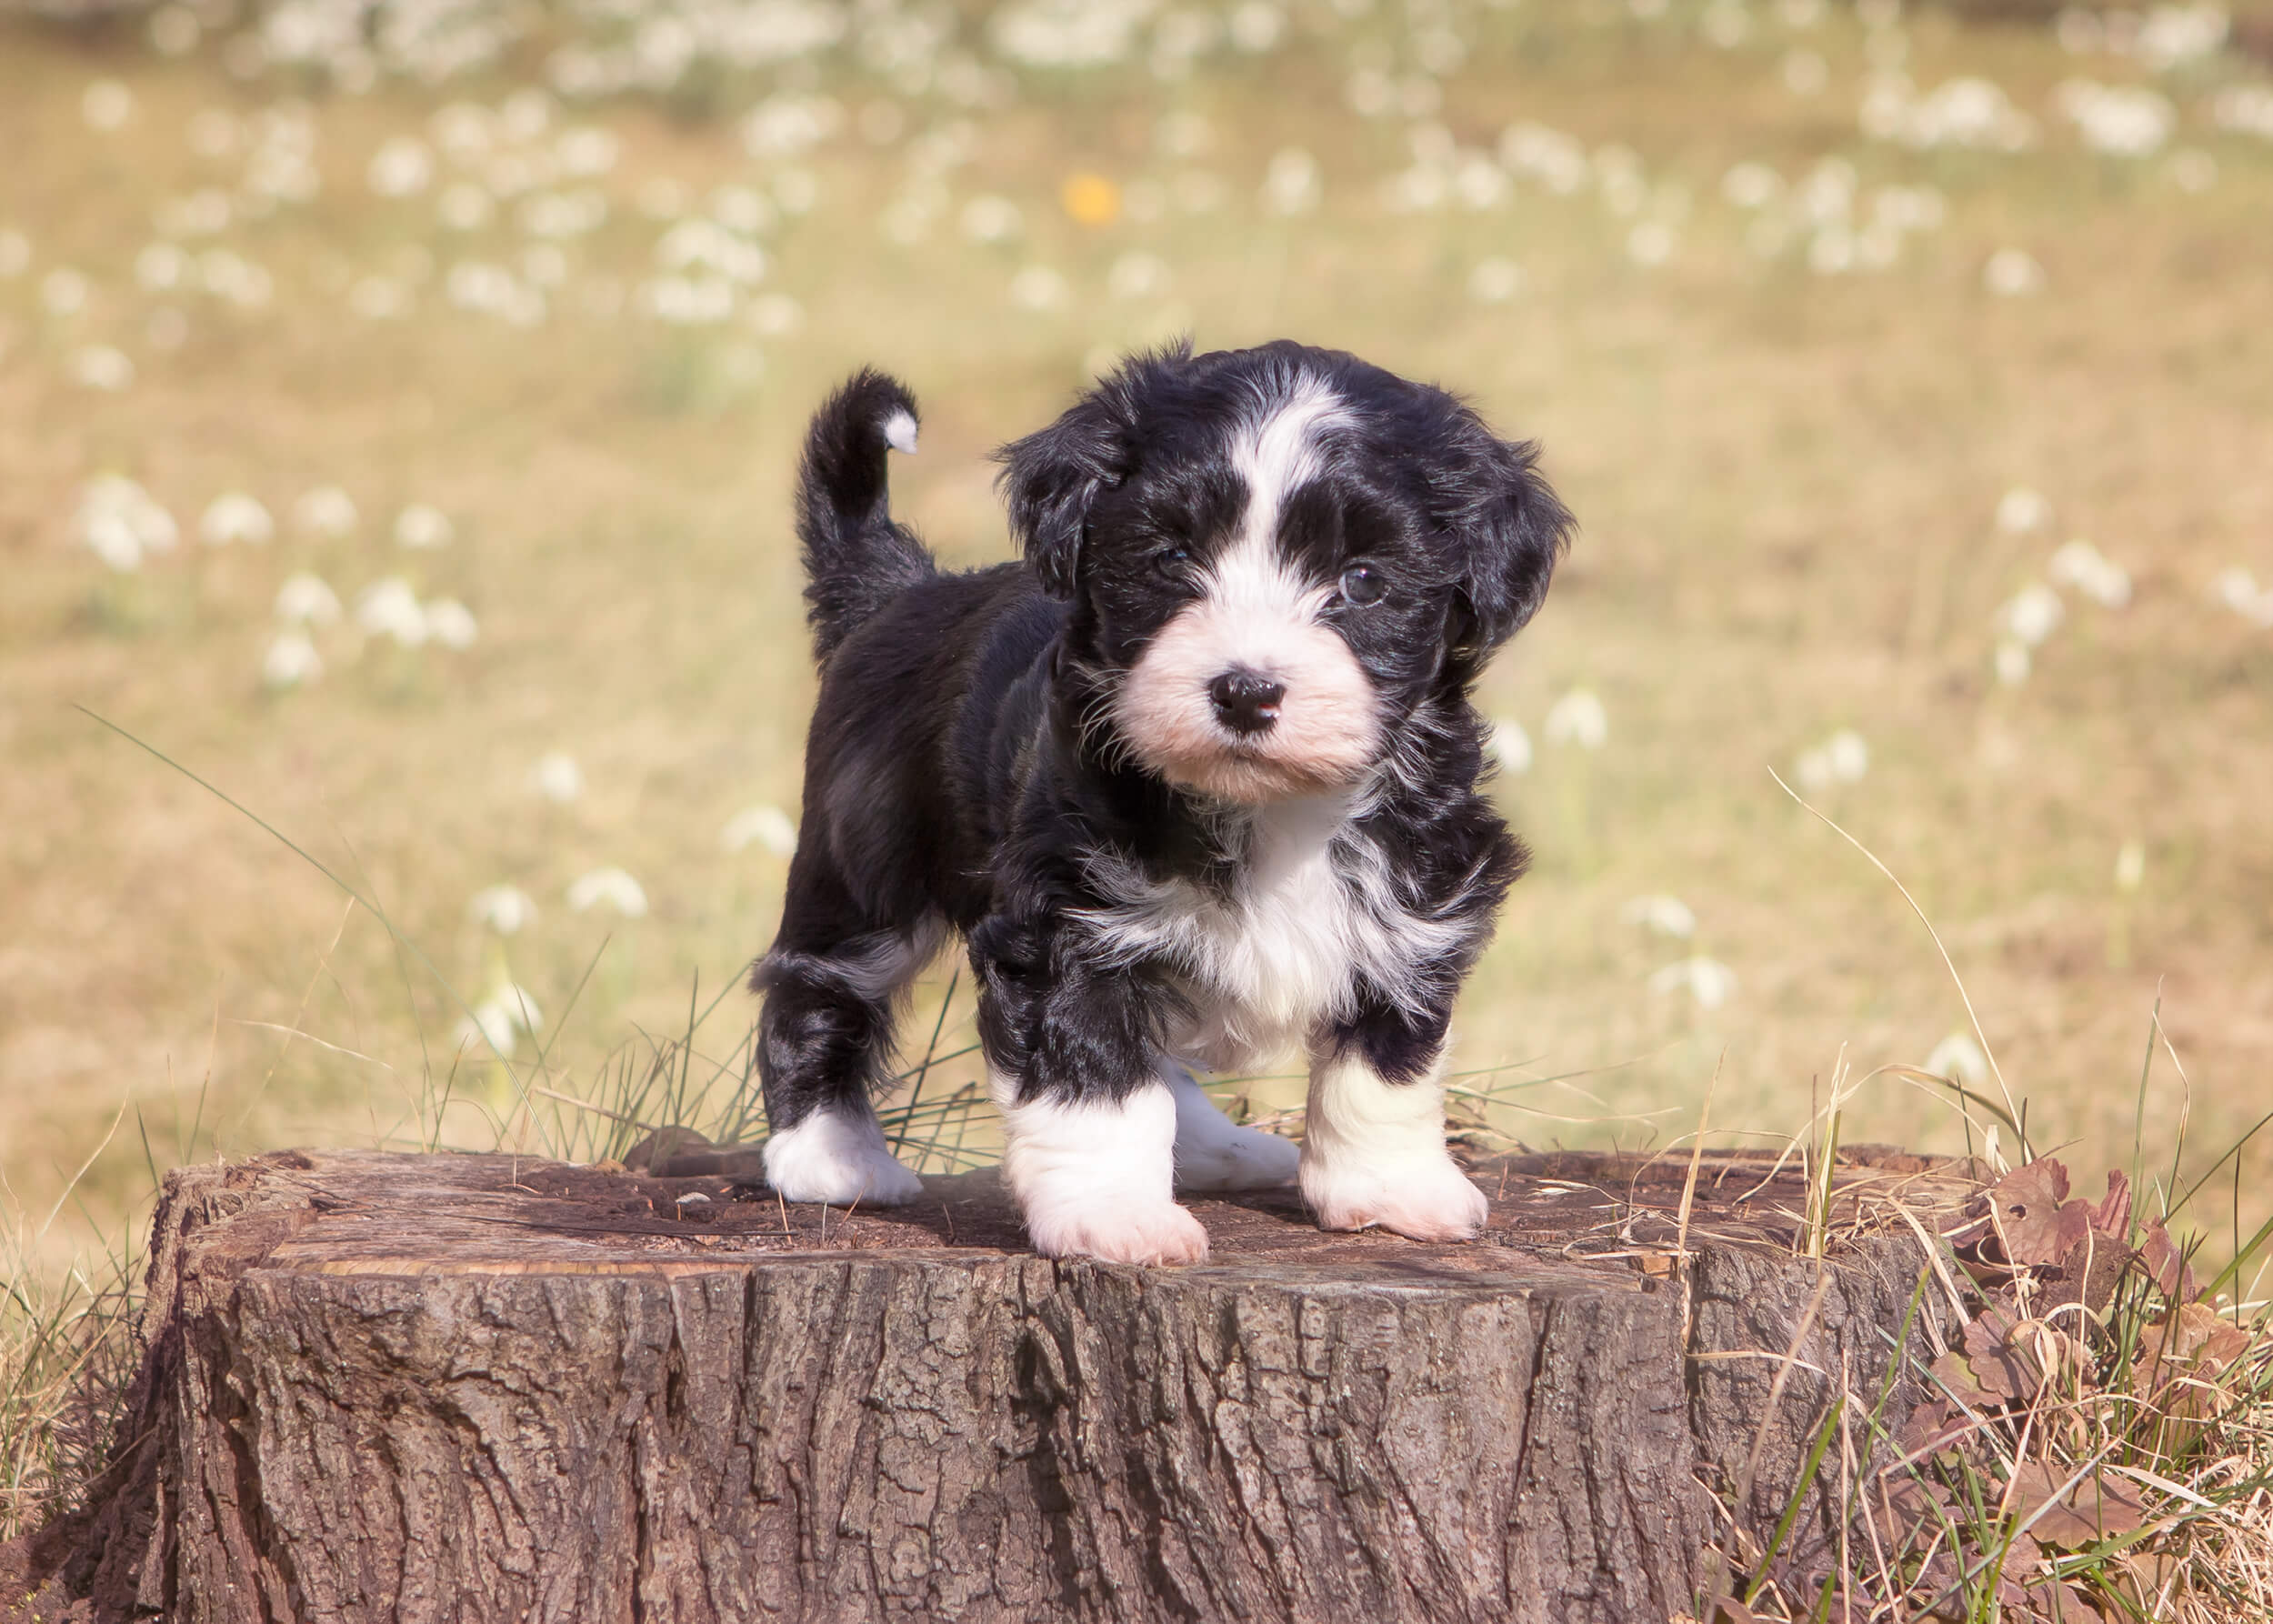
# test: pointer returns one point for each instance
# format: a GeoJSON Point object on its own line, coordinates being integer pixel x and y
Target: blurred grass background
{"type": "Point", "coordinates": [1836, 324]}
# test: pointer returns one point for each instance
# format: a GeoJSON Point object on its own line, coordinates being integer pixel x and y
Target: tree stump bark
{"type": "Point", "coordinates": [482, 1388]}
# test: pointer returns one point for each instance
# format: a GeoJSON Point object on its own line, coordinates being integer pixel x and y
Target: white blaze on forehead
{"type": "Point", "coordinates": [1257, 611]}
{"type": "Point", "coordinates": [1279, 454]}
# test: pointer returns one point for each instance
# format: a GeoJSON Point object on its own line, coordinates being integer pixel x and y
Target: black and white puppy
{"type": "Point", "coordinates": [1196, 783]}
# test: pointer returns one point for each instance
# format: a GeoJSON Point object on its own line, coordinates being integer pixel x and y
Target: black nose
{"type": "Point", "coordinates": [1246, 701]}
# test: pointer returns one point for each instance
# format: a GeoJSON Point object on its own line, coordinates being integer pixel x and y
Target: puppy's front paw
{"type": "Point", "coordinates": [1153, 1232]}
{"type": "Point", "coordinates": [1425, 1199]}
{"type": "Point", "coordinates": [827, 1157]}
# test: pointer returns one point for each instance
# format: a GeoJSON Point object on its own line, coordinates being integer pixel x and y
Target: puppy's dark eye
{"type": "Point", "coordinates": [1172, 563]}
{"type": "Point", "coordinates": [1362, 583]}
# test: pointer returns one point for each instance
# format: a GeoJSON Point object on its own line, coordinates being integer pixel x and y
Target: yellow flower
{"type": "Point", "coordinates": [1090, 198]}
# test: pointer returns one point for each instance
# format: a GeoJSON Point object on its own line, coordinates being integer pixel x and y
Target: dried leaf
{"type": "Point", "coordinates": [1908, 1510]}
{"type": "Point", "coordinates": [2166, 1265]}
{"type": "Point", "coordinates": [1933, 1426]}
{"type": "Point", "coordinates": [1727, 1609]}
{"type": "Point", "coordinates": [1952, 1371]}
{"type": "Point", "coordinates": [1999, 1366]}
{"type": "Point", "coordinates": [2058, 1602]}
{"type": "Point", "coordinates": [2112, 1216]}
{"type": "Point", "coordinates": [2034, 1218]}
{"type": "Point", "coordinates": [2097, 1508]}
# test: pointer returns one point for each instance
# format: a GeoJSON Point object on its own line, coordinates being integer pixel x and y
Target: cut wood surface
{"type": "Point", "coordinates": [483, 1387]}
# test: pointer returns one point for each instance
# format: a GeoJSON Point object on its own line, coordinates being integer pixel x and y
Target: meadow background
{"type": "Point", "coordinates": [398, 404]}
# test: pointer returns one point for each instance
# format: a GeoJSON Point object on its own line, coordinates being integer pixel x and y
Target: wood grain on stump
{"type": "Point", "coordinates": [477, 1388]}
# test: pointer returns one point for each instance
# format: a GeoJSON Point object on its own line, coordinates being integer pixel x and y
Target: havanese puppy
{"type": "Point", "coordinates": [1196, 783]}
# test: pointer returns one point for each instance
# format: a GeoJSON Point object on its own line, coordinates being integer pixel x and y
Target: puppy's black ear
{"type": "Point", "coordinates": [1050, 479]}
{"type": "Point", "coordinates": [1511, 528]}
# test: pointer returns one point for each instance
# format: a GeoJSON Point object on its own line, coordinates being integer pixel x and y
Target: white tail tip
{"type": "Point", "coordinates": [899, 433]}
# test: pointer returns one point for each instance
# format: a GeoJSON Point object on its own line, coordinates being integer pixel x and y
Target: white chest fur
{"type": "Point", "coordinates": [1310, 915]}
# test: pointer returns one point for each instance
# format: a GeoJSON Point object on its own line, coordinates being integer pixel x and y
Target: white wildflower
{"type": "Point", "coordinates": [2238, 589]}
{"type": "Point", "coordinates": [785, 125]}
{"type": "Point", "coordinates": [1579, 718]}
{"type": "Point", "coordinates": [1039, 288]}
{"type": "Point", "coordinates": [557, 778]}
{"type": "Point", "coordinates": [611, 886]}
{"type": "Point", "coordinates": [1750, 185]}
{"type": "Point", "coordinates": [400, 168]}
{"type": "Point", "coordinates": [161, 266]}
{"type": "Point", "coordinates": [101, 366]}
{"type": "Point", "coordinates": [307, 600]}
{"type": "Point", "coordinates": [1255, 26]}
{"type": "Point", "coordinates": [389, 608]}
{"type": "Point", "coordinates": [2130, 866]}
{"type": "Point", "coordinates": [769, 826]}
{"type": "Point", "coordinates": [2012, 272]}
{"type": "Point", "coordinates": [2171, 35]}
{"type": "Point", "coordinates": [2013, 661]}
{"type": "Point", "coordinates": [1067, 32]}
{"type": "Point", "coordinates": [742, 208]}
{"type": "Point", "coordinates": [499, 1021]}
{"type": "Point", "coordinates": [588, 151]}
{"type": "Point", "coordinates": [451, 623]}
{"type": "Point", "coordinates": [2127, 121]}
{"type": "Point", "coordinates": [291, 661]}
{"type": "Point", "coordinates": [2020, 510]}
{"type": "Point", "coordinates": [327, 510]}
{"type": "Point", "coordinates": [106, 105]}
{"type": "Point", "coordinates": [422, 526]}
{"type": "Point", "coordinates": [2033, 614]}
{"type": "Point", "coordinates": [235, 516]}
{"type": "Point", "coordinates": [2244, 109]}
{"type": "Point", "coordinates": [1293, 183]}
{"type": "Point", "coordinates": [2083, 566]}
{"type": "Point", "coordinates": [504, 910]}
{"type": "Point", "coordinates": [1667, 916]}
{"type": "Point", "coordinates": [990, 219]}
{"type": "Point", "coordinates": [1960, 1059]}
{"type": "Point", "coordinates": [1651, 243]}
{"type": "Point", "coordinates": [1707, 981]}
{"type": "Point", "coordinates": [120, 523]}
{"type": "Point", "coordinates": [1510, 745]}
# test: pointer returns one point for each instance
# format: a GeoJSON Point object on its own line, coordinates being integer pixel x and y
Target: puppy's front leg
{"type": "Point", "coordinates": [1095, 1176]}
{"type": "Point", "coordinates": [1088, 1122]}
{"type": "Point", "coordinates": [1373, 1149]}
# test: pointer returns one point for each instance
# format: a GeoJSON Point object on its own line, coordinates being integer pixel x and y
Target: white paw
{"type": "Point", "coordinates": [1232, 1157]}
{"type": "Point", "coordinates": [1424, 1198]}
{"type": "Point", "coordinates": [1213, 1153]}
{"type": "Point", "coordinates": [1159, 1232]}
{"type": "Point", "coordinates": [832, 1159]}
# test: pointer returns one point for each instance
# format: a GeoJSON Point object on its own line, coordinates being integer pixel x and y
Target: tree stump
{"type": "Point", "coordinates": [483, 1387]}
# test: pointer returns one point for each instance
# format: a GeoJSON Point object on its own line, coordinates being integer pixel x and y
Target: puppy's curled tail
{"type": "Point", "coordinates": [856, 558]}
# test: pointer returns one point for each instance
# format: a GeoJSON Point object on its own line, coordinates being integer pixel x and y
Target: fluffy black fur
{"type": "Point", "coordinates": [962, 772]}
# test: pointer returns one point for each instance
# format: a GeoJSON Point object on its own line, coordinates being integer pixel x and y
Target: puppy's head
{"type": "Point", "coordinates": [1275, 554]}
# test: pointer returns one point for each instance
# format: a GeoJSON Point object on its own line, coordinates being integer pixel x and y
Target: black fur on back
{"type": "Point", "coordinates": [855, 558]}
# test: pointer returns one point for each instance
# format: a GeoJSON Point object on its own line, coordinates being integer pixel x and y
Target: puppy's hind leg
{"type": "Point", "coordinates": [1214, 1153]}
{"type": "Point", "coordinates": [824, 1044]}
